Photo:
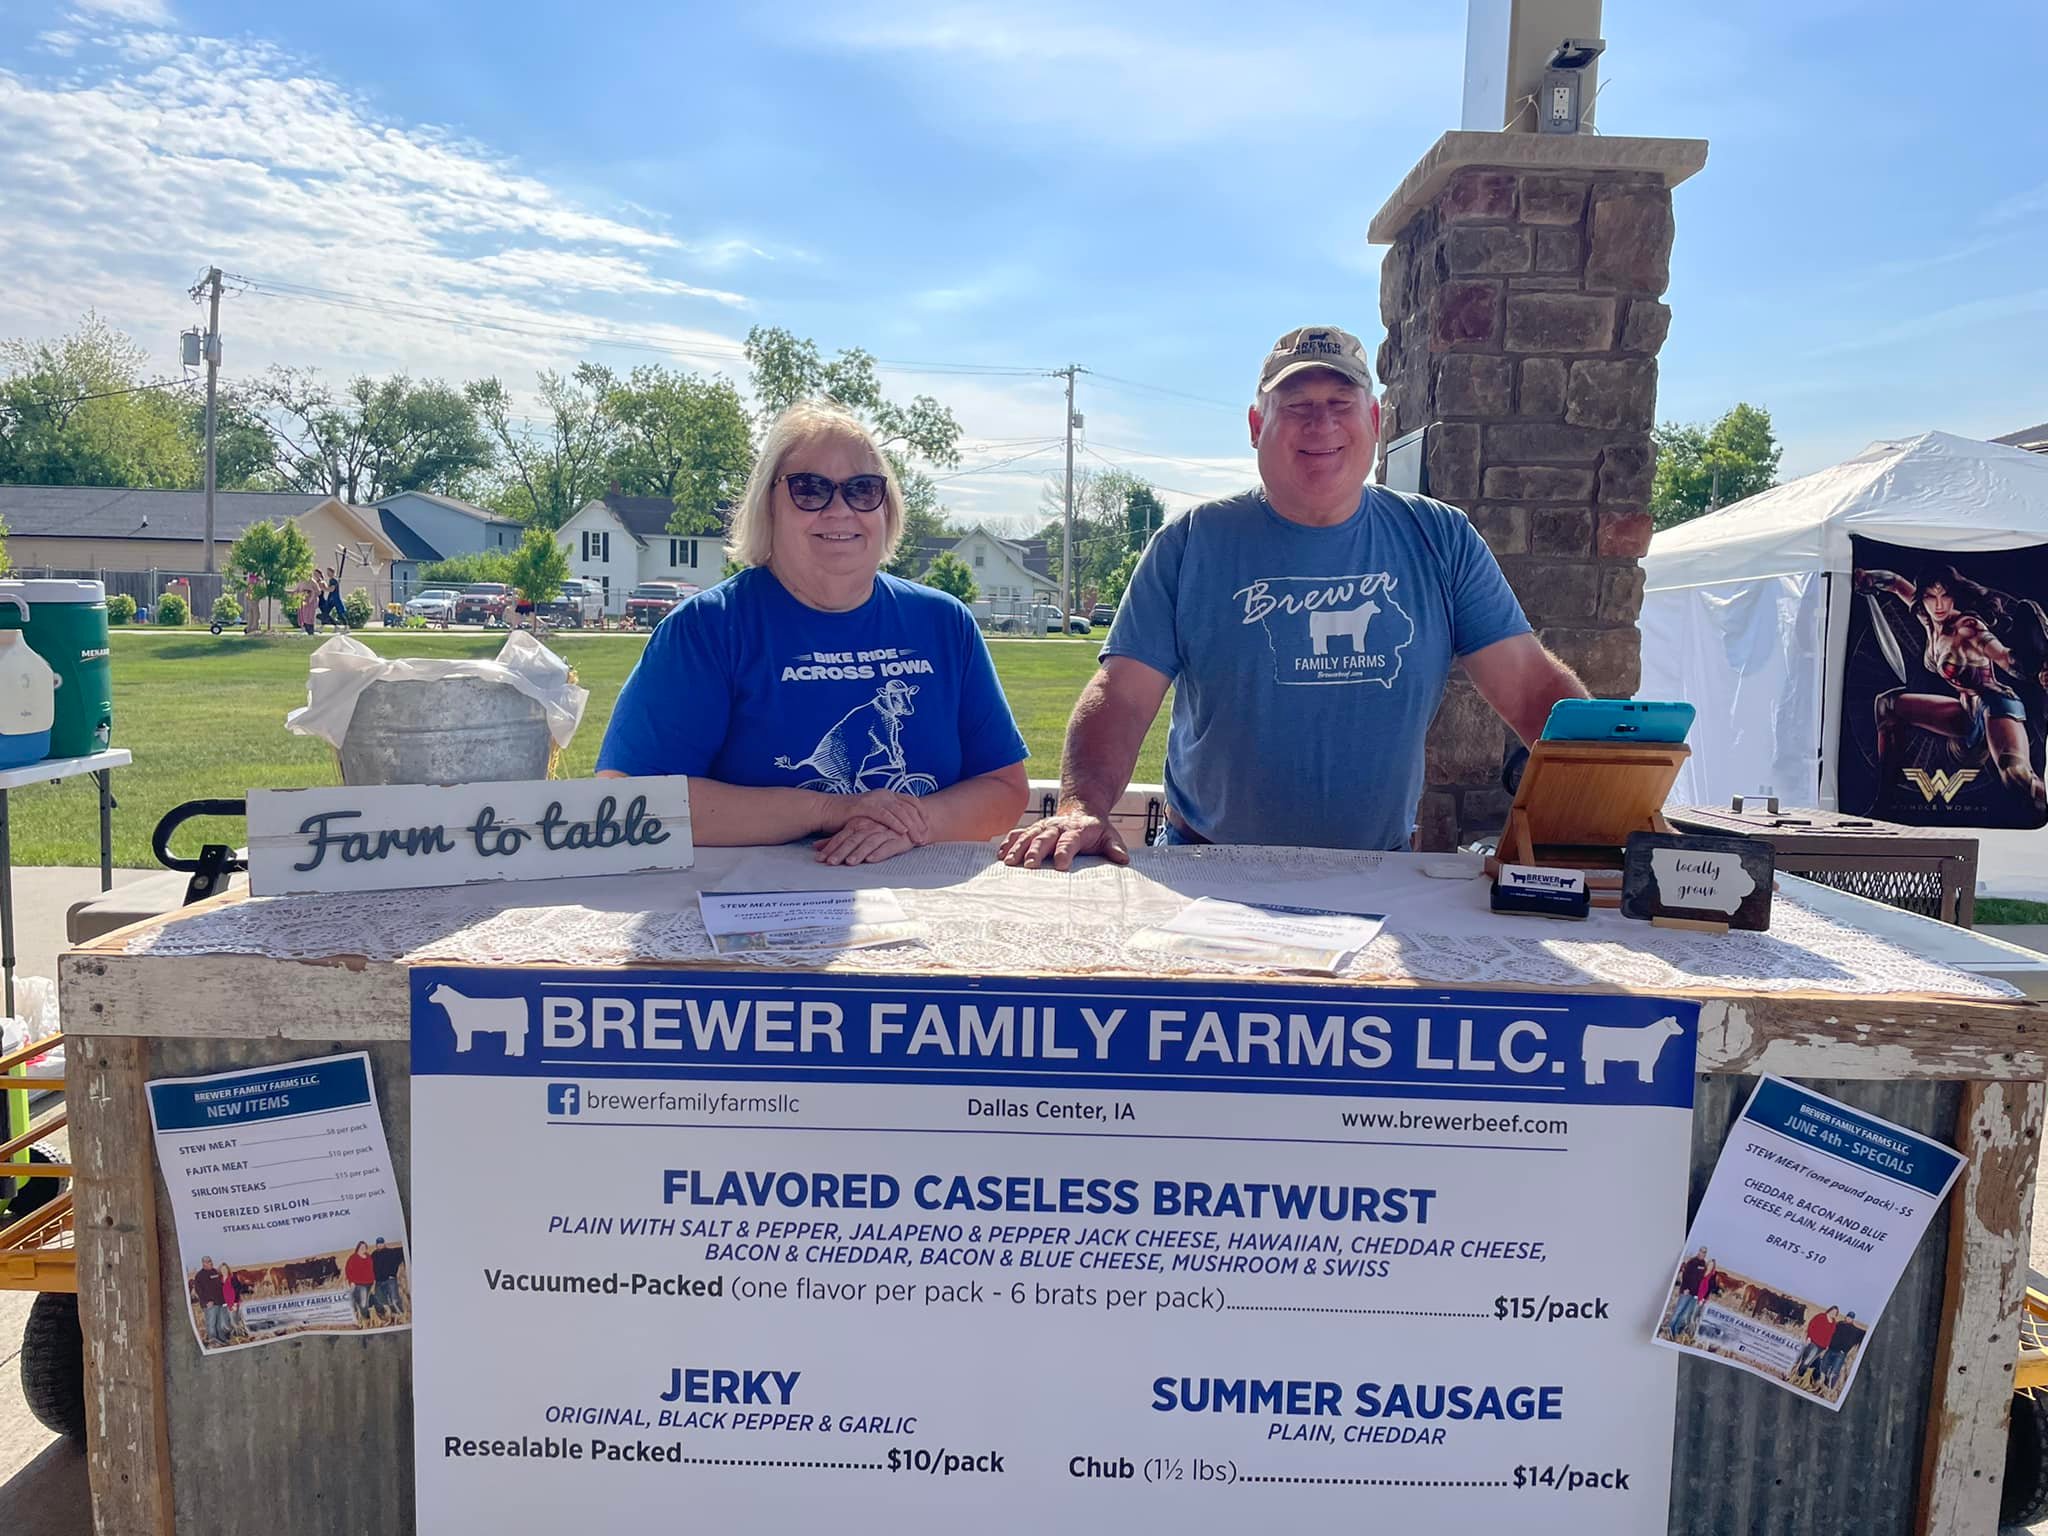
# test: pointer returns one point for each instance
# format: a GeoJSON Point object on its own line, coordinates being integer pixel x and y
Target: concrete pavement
{"type": "Point", "coordinates": [42, 1477]}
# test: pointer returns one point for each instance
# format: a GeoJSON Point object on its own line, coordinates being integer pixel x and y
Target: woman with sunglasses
{"type": "Point", "coordinates": [813, 695]}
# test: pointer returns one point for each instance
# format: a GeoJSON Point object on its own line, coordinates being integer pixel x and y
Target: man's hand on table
{"type": "Point", "coordinates": [1062, 839]}
{"type": "Point", "coordinates": [864, 840]}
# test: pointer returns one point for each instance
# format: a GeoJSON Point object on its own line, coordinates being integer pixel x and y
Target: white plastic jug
{"type": "Point", "coordinates": [28, 692]}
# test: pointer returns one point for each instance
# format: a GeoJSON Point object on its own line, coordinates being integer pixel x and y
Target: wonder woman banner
{"type": "Point", "coordinates": [1945, 687]}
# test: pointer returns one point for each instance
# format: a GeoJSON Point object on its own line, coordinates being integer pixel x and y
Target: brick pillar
{"type": "Point", "coordinates": [1521, 304]}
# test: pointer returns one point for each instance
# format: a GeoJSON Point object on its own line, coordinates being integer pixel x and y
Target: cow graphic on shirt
{"type": "Point", "coordinates": [1330, 629]}
{"type": "Point", "coordinates": [865, 749]}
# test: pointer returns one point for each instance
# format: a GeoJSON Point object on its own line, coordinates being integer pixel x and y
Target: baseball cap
{"type": "Point", "coordinates": [1316, 346]}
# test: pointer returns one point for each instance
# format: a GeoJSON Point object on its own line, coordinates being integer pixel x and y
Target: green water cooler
{"type": "Point", "coordinates": [67, 627]}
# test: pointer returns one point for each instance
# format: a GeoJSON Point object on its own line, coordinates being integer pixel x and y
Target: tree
{"type": "Point", "coordinates": [1701, 468]}
{"type": "Point", "coordinates": [682, 437]}
{"type": "Point", "coordinates": [376, 438]}
{"type": "Point", "coordinates": [949, 573]}
{"type": "Point", "coordinates": [1144, 515]}
{"type": "Point", "coordinates": [788, 368]}
{"type": "Point", "coordinates": [6, 560]}
{"type": "Point", "coordinates": [79, 411]}
{"type": "Point", "coordinates": [554, 471]}
{"type": "Point", "coordinates": [277, 554]}
{"type": "Point", "coordinates": [539, 567]}
{"type": "Point", "coordinates": [464, 570]}
{"type": "Point", "coordinates": [1119, 581]}
{"type": "Point", "coordinates": [1103, 521]}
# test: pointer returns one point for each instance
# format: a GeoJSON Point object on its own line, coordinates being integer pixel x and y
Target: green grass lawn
{"type": "Point", "coordinates": [205, 718]}
{"type": "Point", "coordinates": [1995, 910]}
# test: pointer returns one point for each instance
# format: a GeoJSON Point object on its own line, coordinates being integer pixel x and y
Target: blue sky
{"type": "Point", "coordinates": [1152, 191]}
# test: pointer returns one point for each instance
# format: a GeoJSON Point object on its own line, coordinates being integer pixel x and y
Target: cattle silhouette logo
{"type": "Point", "coordinates": [473, 1016]}
{"type": "Point", "coordinates": [1638, 1046]}
{"type": "Point", "coordinates": [1351, 623]}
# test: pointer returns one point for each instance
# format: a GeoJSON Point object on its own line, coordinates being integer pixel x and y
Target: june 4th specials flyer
{"type": "Point", "coordinates": [942, 1254]}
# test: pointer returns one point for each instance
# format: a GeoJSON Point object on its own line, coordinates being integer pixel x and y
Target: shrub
{"type": "Point", "coordinates": [120, 609]}
{"type": "Point", "coordinates": [226, 610]}
{"type": "Point", "coordinates": [413, 621]}
{"type": "Point", "coordinates": [172, 610]}
{"type": "Point", "coordinates": [357, 607]}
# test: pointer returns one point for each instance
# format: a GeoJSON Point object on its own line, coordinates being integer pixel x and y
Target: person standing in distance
{"type": "Point", "coordinates": [1308, 629]}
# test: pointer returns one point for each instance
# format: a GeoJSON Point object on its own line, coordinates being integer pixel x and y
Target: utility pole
{"type": "Point", "coordinates": [1067, 522]}
{"type": "Point", "coordinates": [212, 345]}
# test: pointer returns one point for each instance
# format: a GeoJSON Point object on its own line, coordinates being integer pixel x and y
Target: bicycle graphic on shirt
{"type": "Point", "coordinates": [864, 750]}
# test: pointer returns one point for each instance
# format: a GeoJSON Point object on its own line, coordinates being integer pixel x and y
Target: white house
{"type": "Point", "coordinates": [620, 541]}
{"type": "Point", "coordinates": [1004, 570]}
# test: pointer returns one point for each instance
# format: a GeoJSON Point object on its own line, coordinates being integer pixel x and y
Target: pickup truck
{"type": "Point", "coordinates": [482, 602]}
{"type": "Point", "coordinates": [579, 605]}
{"type": "Point", "coordinates": [648, 604]}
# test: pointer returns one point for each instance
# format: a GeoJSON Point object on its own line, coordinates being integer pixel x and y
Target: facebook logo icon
{"type": "Point", "coordinates": [563, 1099]}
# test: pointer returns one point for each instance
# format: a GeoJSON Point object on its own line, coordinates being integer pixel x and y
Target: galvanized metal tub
{"type": "Point", "coordinates": [453, 730]}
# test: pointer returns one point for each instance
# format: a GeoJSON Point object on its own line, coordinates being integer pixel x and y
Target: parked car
{"type": "Point", "coordinates": [579, 605]}
{"type": "Point", "coordinates": [1077, 625]}
{"type": "Point", "coordinates": [435, 604]}
{"type": "Point", "coordinates": [649, 603]}
{"type": "Point", "coordinates": [1101, 613]}
{"type": "Point", "coordinates": [482, 602]}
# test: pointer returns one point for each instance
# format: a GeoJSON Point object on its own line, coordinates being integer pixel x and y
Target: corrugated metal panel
{"type": "Point", "coordinates": [308, 1436]}
{"type": "Point", "coordinates": [1751, 1459]}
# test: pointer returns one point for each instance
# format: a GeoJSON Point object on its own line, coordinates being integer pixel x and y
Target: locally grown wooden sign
{"type": "Point", "coordinates": [1698, 879]}
{"type": "Point", "coordinates": [398, 836]}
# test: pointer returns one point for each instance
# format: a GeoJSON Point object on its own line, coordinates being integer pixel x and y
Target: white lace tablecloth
{"type": "Point", "coordinates": [985, 918]}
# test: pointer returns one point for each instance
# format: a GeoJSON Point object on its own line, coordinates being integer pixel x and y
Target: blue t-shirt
{"type": "Point", "coordinates": [746, 685]}
{"type": "Point", "coordinates": [1308, 662]}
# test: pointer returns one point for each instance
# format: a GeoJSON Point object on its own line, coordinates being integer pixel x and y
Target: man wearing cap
{"type": "Point", "coordinates": [1307, 629]}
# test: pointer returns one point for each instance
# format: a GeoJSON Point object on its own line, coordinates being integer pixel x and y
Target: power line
{"type": "Point", "coordinates": [594, 335]}
{"type": "Point", "coordinates": [983, 469]}
{"type": "Point", "coordinates": [1160, 389]}
{"type": "Point", "coordinates": [1176, 490]}
{"type": "Point", "coordinates": [1164, 458]}
{"type": "Point", "coordinates": [110, 394]}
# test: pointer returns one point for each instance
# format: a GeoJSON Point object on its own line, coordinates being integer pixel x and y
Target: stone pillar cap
{"type": "Point", "coordinates": [1673, 159]}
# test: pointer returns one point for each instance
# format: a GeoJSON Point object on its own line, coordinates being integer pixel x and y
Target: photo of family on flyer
{"type": "Point", "coordinates": [1808, 1346]}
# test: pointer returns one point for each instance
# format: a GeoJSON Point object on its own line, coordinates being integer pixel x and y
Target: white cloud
{"type": "Point", "coordinates": [61, 43]}
{"type": "Point", "coordinates": [154, 12]}
{"type": "Point", "coordinates": [156, 154]}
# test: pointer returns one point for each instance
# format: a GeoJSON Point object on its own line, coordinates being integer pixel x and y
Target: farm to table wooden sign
{"type": "Point", "coordinates": [387, 837]}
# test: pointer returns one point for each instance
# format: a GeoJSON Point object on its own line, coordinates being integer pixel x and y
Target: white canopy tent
{"type": "Point", "coordinates": [1745, 614]}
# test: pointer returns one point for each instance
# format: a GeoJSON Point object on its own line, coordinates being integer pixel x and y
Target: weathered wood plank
{"type": "Point", "coordinates": [128, 1456]}
{"type": "Point", "coordinates": [1990, 1218]}
{"type": "Point", "coordinates": [1807, 1036]}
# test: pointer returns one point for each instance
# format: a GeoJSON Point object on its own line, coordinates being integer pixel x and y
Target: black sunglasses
{"type": "Point", "coordinates": [813, 493]}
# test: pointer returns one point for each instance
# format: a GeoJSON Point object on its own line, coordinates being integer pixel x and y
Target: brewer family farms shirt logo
{"type": "Point", "coordinates": [1330, 629]}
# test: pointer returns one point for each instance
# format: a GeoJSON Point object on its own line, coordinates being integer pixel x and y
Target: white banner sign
{"type": "Point", "coordinates": [923, 1256]}
{"type": "Point", "coordinates": [396, 836]}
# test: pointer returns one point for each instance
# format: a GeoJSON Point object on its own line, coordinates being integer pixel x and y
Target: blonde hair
{"type": "Point", "coordinates": [752, 534]}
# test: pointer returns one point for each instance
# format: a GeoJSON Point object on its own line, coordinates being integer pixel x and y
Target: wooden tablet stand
{"type": "Point", "coordinates": [1578, 802]}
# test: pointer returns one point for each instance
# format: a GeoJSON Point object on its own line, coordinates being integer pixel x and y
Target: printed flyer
{"type": "Point", "coordinates": [876, 1254]}
{"type": "Point", "coordinates": [288, 1215]}
{"type": "Point", "coordinates": [1807, 1224]}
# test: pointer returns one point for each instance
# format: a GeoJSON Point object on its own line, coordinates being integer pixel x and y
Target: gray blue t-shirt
{"type": "Point", "coordinates": [1309, 662]}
